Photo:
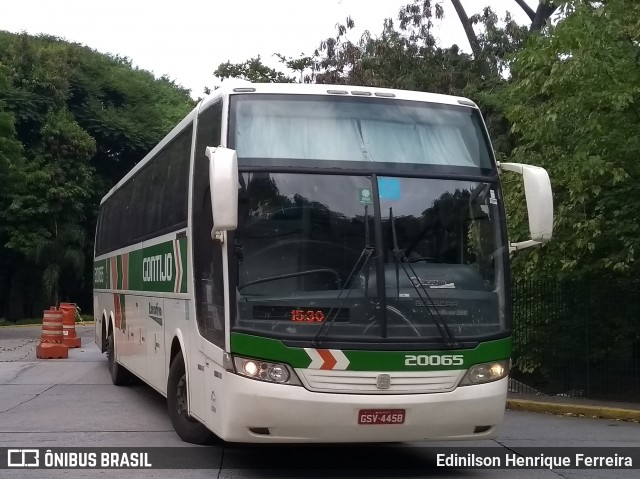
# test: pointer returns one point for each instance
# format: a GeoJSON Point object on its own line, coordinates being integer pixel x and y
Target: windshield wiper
{"type": "Point", "coordinates": [401, 260]}
{"type": "Point", "coordinates": [366, 253]}
{"type": "Point", "coordinates": [296, 274]}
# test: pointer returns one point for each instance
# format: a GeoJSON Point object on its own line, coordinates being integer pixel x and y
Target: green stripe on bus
{"type": "Point", "coordinates": [359, 360]}
{"type": "Point", "coordinates": [153, 268]}
{"type": "Point", "coordinates": [135, 270]}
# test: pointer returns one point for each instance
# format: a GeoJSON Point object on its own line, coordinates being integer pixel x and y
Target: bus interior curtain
{"type": "Point", "coordinates": [263, 136]}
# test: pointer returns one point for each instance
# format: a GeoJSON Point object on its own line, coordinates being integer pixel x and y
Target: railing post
{"type": "Point", "coordinates": [586, 335]}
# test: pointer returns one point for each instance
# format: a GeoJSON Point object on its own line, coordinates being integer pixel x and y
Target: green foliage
{"type": "Point", "coordinates": [302, 64]}
{"type": "Point", "coordinates": [405, 58]}
{"type": "Point", "coordinates": [72, 123]}
{"type": "Point", "coordinates": [405, 55]}
{"type": "Point", "coordinates": [573, 105]}
{"type": "Point", "coordinates": [252, 70]}
{"type": "Point", "coordinates": [10, 147]}
{"type": "Point", "coordinates": [498, 39]}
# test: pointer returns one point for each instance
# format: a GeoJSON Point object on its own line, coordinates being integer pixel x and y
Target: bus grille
{"type": "Point", "coordinates": [365, 382]}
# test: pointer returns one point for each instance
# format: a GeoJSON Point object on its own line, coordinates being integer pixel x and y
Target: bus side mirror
{"type": "Point", "coordinates": [537, 190]}
{"type": "Point", "coordinates": [223, 180]}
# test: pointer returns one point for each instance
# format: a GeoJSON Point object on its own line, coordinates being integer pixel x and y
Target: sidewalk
{"type": "Point", "coordinates": [574, 407]}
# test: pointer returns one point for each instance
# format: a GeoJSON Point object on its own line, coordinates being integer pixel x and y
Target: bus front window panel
{"type": "Point", "coordinates": [300, 252]}
{"type": "Point", "coordinates": [441, 243]}
{"type": "Point", "coordinates": [347, 129]}
{"type": "Point", "coordinates": [300, 256]}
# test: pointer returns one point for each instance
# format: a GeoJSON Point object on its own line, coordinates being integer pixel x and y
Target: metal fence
{"type": "Point", "coordinates": [577, 338]}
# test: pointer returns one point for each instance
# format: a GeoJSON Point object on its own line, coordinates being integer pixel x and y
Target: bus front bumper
{"type": "Point", "coordinates": [256, 411]}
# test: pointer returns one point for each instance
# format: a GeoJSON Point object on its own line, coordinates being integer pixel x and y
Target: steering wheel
{"type": "Point", "coordinates": [428, 259]}
{"type": "Point", "coordinates": [398, 314]}
{"type": "Point", "coordinates": [291, 243]}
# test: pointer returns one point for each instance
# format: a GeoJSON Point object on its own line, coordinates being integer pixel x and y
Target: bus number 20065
{"type": "Point", "coordinates": [433, 360]}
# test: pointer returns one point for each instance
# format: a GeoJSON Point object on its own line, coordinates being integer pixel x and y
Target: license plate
{"type": "Point", "coordinates": [381, 416]}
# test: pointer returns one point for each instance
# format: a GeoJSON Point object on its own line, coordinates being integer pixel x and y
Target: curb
{"type": "Point", "coordinates": [603, 412]}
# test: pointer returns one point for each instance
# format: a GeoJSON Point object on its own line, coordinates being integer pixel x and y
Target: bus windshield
{"type": "Point", "coordinates": [306, 262]}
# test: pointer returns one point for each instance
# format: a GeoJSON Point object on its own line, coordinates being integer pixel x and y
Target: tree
{"type": "Point", "coordinates": [252, 70]}
{"type": "Point", "coordinates": [48, 202]}
{"type": "Point", "coordinates": [75, 121]}
{"type": "Point", "coordinates": [538, 18]}
{"type": "Point", "coordinates": [573, 104]}
{"type": "Point", "coordinates": [10, 158]}
{"type": "Point", "coordinates": [551, 78]}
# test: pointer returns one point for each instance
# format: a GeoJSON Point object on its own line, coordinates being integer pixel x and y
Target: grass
{"type": "Point", "coordinates": [27, 321]}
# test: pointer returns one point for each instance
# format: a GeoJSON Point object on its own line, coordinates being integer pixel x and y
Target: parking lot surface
{"type": "Point", "coordinates": [72, 403]}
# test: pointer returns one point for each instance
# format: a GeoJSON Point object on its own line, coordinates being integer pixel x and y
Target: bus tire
{"type": "Point", "coordinates": [120, 376]}
{"type": "Point", "coordinates": [188, 428]}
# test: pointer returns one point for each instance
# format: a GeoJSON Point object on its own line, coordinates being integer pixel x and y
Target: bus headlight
{"type": "Point", "coordinates": [265, 371]}
{"type": "Point", "coordinates": [486, 372]}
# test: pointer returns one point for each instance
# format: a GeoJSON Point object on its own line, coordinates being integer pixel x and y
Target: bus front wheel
{"type": "Point", "coordinates": [188, 428]}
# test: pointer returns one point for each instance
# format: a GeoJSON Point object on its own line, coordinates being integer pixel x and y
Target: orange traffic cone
{"type": "Point", "coordinates": [51, 343]}
{"type": "Point", "coordinates": [70, 338]}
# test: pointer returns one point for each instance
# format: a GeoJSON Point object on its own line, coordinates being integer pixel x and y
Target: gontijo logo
{"type": "Point", "coordinates": [157, 268]}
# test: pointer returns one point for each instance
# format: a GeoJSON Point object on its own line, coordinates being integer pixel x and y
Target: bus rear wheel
{"type": "Point", "coordinates": [188, 428]}
{"type": "Point", "coordinates": [120, 376]}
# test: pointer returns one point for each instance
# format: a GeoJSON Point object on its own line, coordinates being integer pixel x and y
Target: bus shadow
{"type": "Point", "coordinates": [377, 460]}
{"type": "Point", "coordinates": [355, 460]}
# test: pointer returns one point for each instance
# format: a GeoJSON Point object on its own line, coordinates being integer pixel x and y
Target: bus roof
{"type": "Point", "coordinates": [231, 87]}
{"type": "Point", "coordinates": [235, 86]}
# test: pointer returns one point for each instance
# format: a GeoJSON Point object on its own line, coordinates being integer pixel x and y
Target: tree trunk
{"type": "Point", "coordinates": [468, 28]}
{"type": "Point", "coordinates": [544, 11]}
{"type": "Point", "coordinates": [527, 9]}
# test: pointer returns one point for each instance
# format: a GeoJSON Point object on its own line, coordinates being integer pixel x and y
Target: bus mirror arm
{"type": "Point", "coordinates": [522, 245]}
{"type": "Point", "coordinates": [217, 235]}
{"type": "Point", "coordinates": [223, 180]}
{"type": "Point", "coordinates": [539, 197]}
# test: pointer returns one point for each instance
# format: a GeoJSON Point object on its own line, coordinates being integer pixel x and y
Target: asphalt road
{"type": "Point", "coordinates": [72, 403]}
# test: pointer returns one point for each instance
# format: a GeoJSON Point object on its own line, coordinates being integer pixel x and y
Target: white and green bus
{"type": "Point", "coordinates": [316, 263]}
